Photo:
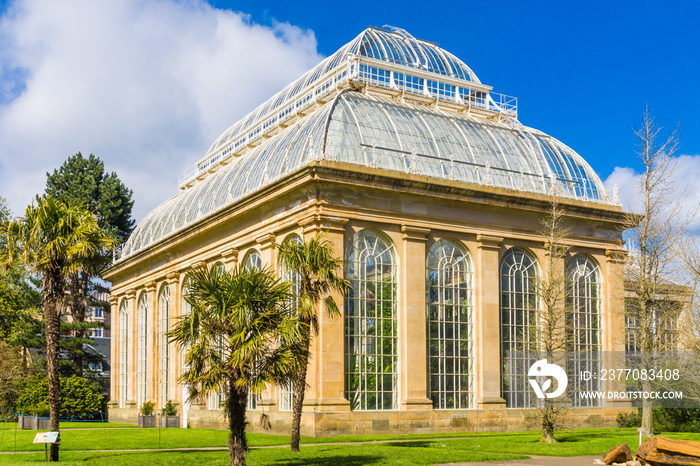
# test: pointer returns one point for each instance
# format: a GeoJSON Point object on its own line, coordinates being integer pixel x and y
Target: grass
{"type": "Point", "coordinates": [419, 449]}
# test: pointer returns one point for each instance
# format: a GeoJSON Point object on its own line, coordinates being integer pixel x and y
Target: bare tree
{"type": "Point", "coordinates": [654, 229]}
{"type": "Point", "coordinates": [551, 293]}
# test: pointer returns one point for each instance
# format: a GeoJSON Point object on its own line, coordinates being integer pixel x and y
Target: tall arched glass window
{"type": "Point", "coordinates": [519, 274]}
{"type": "Point", "coordinates": [142, 348]}
{"type": "Point", "coordinates": [370, 322]}
{"type": "Point", "coordinates": [583, 325]}
{"type": "Point", "coordinates": [286, 390]}
{"type": "Point", "coordinates": [123, 353]}
{"type": "Point", "coordinates": [252, 260]}
{"type": "Point", "coordinates": [450, 326]}
{"type": "Point", "coordinates": [216, 398]}
{"type": "Point", "coordinates": [186, 309]}
{"type": "Point", "coordinates": [163, 347]}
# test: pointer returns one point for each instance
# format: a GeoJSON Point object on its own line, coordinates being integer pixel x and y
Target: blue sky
{"type": "Point", "coordinates": [147, 85]}
{"type": "Point", "coordinates": [582, 71]}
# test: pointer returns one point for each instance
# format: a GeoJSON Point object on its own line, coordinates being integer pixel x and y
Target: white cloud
{"type": "Point", "coordinates": [146, 85]}
{"type": "Point", "coordinates": [686, 188]}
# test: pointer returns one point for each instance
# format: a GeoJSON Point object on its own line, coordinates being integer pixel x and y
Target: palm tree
{"type": "Point", "coordinates": [52, 239]}
{"type": "Point", "coordinates": [227, 335]}
{"type": "Point", "coordinates": [316, 272]}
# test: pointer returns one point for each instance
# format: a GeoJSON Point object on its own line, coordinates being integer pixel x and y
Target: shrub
{"type": "Point", "coordinates": [147, 408]}
{"type": "Point", "coordinates": [170, 409]}
{"type": "Point", "coordinates": [78, 397]}
{"type": "Point", "coordinates": [631, 419]}
{"type": "Point", "coordinates": [677, 420]}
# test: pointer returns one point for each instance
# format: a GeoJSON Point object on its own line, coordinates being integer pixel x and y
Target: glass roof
{"type": "Point", "coordinates": [397, 47]}
{"type": "Point", "coordinates": [380, 133]}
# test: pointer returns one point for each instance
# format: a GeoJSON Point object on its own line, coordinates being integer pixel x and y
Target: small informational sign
{"type": "Point", "coordinates": [46, 437]}
{"type": "Point", "coordinates": [641, 431]}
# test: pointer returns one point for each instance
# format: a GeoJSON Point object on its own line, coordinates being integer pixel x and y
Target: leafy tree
{"type": "Point", "coordinates": [318, 272]}
{"type": "Point", "coordinates": [19, 294]}
{"type": "Point", "coordinates": [84, 181]}
{"type": "Point", "coordinates": [50, 240]}
{"type": "Point", "coordinates": [13, 370]}
{"type": "Point", "coordinates": [78, 396]}
{"type": "Point", "coordinates": [235, 317]}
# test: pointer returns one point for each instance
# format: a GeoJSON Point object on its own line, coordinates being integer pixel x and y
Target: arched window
{"type": "Point", "coordinates": [142, 348]}
{"type": "Point", "coordinates": [186, 309]}
{"type": "Point", "coordinates": [519, 333]}
{"type": "Point", "coordinates": [370, 322]}
{"type": "Point", "coordinates": [216, 398]}
{"type": "Point", "coordinates": [123, 353]}
{"type": "Point", "coordinates": [252, 260]}
{"type": "Point", "coordinates": [450, 326]}
{"type": "Point", "coordinates": [286, 390]}
{"type": "Point", "coordinates": [583, 325]}
{"type": "Point", "coordinates": [163, 347]}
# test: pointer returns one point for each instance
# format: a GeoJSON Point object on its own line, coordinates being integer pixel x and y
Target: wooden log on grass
{"type": "Point", "coordinates": [618, 454]}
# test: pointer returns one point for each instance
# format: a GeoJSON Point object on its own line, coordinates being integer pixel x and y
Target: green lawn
{"type": "Point", "coordinates": [400, 449]}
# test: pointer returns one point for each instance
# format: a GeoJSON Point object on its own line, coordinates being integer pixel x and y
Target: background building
{"type": "Point", "coordinates": [433, 191]}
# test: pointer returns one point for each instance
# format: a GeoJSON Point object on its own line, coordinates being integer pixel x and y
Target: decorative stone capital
{"type": "Point", "coordinates": [113, 301]}
{"type": "Point", "coordinates": [411, 233]}
{"type": "Point", "coordinates": [172, 277]}
{"type": "Point", "coordinates": [151, 286]}
{"type": "Point", "coordinates": [266, 241]}
{"type": "Point", "coordinates": [616, 256]}
{"type": "Point", "coordinates": [230, 255]}
{"type": "Point", "coordinates": [198, 265]}
{"type": "Point", "coordinates": [489, 242]}
{"type": "Point", "coordinates": [131, 294]}
{"type": "Point", "coordinates": [315, 224]}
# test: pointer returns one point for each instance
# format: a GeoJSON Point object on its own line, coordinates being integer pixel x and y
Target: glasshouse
{"type": "Point", "coordinates": [434, 194]}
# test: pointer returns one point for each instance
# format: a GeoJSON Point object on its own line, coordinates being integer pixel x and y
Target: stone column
{"type": "Point", "coordinates": [152, 343]}
{"type": "Point", "coordinates": [173, 279]}
{"type": "Point", "coordinates": [268, 251]}
{"type": "Point", "coordinates": [613, 321]}
{"type": "Point", "coordinates": [412, 334]}
{"type": "Point", "coordinates": [326, 373]}
{"type": "Point", "coordinates": [487, 323]}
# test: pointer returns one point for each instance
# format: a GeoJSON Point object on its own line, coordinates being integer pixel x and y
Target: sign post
{"type": "Point", "coordinates": [46, 438]}
{"type": "Point", "coordinates": [641, 431]}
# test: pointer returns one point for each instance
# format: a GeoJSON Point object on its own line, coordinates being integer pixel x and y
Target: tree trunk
{"type": "Point", "coordinates": [237, 405]}
{"type": "Point", "coordinates": [548, 422]}
{"type": "Point", "coordinates": [53, 296]}
{"type": "Point", "coordinates": [647, 413]}
{"type": "Point", "coordinates": [299, 390]}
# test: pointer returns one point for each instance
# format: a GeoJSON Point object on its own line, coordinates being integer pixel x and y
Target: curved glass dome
{"type": "Point", "coordinates": [397, 47]}
{"type": "Point", "coordinates": [381, 133]}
